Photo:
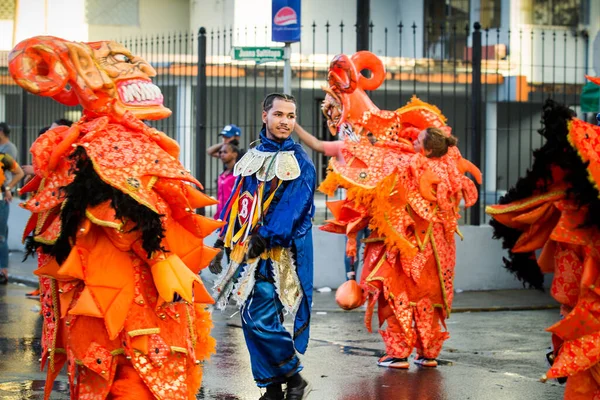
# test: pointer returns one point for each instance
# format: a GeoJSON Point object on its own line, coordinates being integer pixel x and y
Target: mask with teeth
{"type": "Point", "coordinates": [346, 99]}
{"type": "Point", "coordinates": [103, 77]}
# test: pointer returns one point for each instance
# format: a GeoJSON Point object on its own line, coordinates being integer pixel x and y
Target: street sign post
{"type": "Point", "coordinates": [286, 28]}
{"type": "Point", "coordinates": [286, 25]}
{"type": "Point", "coordinates": [259, 54]}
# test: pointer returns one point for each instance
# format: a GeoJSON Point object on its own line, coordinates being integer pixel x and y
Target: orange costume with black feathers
{"type": "Point", "coordinates": [114, 227]}
{"type": "Point", "coordinates": [555, 208]}
{"type": "Point", "coordinates": [409, 201]}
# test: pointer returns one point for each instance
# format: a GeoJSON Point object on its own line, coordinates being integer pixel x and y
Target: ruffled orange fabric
{"type": "Point", "coordinates": [112, 310]}
{"type": "Point", "coordinates": [554, 223]}
{"type": "Point", "coordinates": [410, 203]}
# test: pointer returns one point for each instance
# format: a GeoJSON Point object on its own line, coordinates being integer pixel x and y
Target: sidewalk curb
{"type": "Point", "coordinates": [460, 310]}
{"type": "Point", "coordinates": [32, 281]}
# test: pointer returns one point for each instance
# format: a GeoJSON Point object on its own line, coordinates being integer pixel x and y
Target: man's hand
{"type": "Point", "coordinates": [215, 266]}
{"type": "Point", "coordinates": [8, 196]}
{"type": "Point", "coordinates": [257, 245]}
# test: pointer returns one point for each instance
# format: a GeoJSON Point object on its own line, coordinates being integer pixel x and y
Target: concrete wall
{"type": "Point", "coordinates": [478, 264]}
{"type": "Point", "coordinates": [45, 17]}
{"type": "Point", "coordinates": [478, 261]}
{"type": "Point", "coordinates": [155, 16]}
{"type": "Point", "coordinates": [212, 14]}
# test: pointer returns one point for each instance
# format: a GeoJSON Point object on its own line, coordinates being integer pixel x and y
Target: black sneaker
{"type": "Point", "coordinates": [299, 392]}
{"type": "Point", "coordinates": [3, 278]}
{"type": "Point", "coordinates": [273, 392]}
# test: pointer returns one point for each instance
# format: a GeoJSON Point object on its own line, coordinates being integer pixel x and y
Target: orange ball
{"type": "Point", "coordinates": [350, 295]}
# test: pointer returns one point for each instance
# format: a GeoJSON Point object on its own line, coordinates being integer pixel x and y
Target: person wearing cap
{"type": "Point", "coordinates": [230, 134]}
{"type": "Point", "coordinates": [269, 233]}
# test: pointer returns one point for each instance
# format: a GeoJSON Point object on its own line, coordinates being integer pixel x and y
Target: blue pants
{"type": "Point", "coordinates": [362, 234]}
{"type": "Point", "coordinates": [4, 210]}
{"type": "Point", "coordinates": [272, 353]}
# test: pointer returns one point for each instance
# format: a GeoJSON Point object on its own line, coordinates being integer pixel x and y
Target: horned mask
{"type": "Point", "coordinates": [103, 77]}
{"type": "Point", "coordinates": [346, 99]}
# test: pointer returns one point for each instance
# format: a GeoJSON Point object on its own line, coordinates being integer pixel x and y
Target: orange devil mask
{"type": "Point", "coordinates": [346, 100]}
{"type": "Point", "coordinates": [103, 77]}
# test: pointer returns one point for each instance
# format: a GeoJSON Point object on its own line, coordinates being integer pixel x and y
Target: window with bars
{"type": "Point", "coordinates": [489, 16]}
{"type": "Point", "coordinates": [555, 12]}
{"type": "Point", "coordinates": [446, 21]}
{"type": "Point", "coordinates": [7, 9]}
{"type": "Point", "coordinates": [112, 12]}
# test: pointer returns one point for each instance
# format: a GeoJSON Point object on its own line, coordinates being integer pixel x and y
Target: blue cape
{"type": "Point", "coordinates": [288, 223]}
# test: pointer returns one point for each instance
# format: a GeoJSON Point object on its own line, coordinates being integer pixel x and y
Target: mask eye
{"type": "Point", "coordinates": [121, 58]}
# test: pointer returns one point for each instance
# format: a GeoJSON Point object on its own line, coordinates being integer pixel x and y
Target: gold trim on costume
{"type": "Point", "coordinates": [54, 292]}
{"type": "Point", "coordinates": [191, 326]}
{"type": "Point", "coordinates": [100, 222]}
{"type": "Point", "coordinates": [146, 331]}
{"type": "Point", "coordinates": [44, 241]}
{"type": "Point", "coordinates": [176, 349]}
{"type": "Point", "coordinates": [379, 263]}
{"type": "Point", "coordinates": [494, 211]}
{"type": "Point", "coordinates": [373, 240]}
{"type": "Point", "coordinates": [152, 182]}
{"type": "Point", "coordinates": [440, 275]}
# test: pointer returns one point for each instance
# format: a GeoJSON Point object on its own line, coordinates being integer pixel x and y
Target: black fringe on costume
{"type": "Point", "coordinates": [556, 151]}
{"type": "Point", "coordinates": [87, 189]}
{"type": "Point", "coordinates": [31, 246]}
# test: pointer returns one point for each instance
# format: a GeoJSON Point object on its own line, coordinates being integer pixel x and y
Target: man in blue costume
{"type": "Point", "coordinates": [269, 235]}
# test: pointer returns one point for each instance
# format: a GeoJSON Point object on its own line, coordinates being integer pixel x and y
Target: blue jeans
{"type": "Point", "coordinates": [4, 210]}
{"type": "Point", "coordinates": [272, 353]}
{"type": "Point", "coordinates": [362, 234]}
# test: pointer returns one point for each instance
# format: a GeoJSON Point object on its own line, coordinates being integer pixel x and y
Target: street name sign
{"type": "Point", "coordinates": [258, 54]}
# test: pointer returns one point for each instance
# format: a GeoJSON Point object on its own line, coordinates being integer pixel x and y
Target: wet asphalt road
{"type": "Point", "coordinates": [490, 355]}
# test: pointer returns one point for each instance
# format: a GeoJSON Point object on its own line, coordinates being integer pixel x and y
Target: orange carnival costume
{"type": "Point", "coordinates": [118, 242]}
{"type": "Point", "coordinates": [555, 207]}
{"type": "Point", "coordinates": [409, 202]}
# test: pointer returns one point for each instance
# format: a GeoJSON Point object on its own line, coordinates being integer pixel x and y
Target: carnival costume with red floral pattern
{"type": "Point", "coordinates": [556, 208]}
{"type": "Point", "coordinates": [410, 203]}
{"type": "Point", "coordinates": [114, 227]}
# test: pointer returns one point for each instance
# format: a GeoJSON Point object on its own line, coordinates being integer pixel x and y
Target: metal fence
{"type": "Point", "coordinates": [490, 83]}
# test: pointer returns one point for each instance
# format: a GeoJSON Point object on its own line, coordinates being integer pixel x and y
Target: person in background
{"type": "Point", "coordinates": [61, 122]}
{"type": "Point", "coordinates": [6, 146]}
{"type": "Point", "coordinates": [29, 173]}
{"type": "Point", "coordinates": [230, 134]}
{"type": "Point", "coordinates": [229, 154]}
{"type": "Point", "coordinates": [7, 163]}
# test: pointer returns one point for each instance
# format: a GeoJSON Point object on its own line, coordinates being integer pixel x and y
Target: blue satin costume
{"type": "Point", "coordinates": [288, 224]}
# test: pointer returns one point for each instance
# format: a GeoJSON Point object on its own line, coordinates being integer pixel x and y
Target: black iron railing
{"type": "Point", "coordinates": [489, 83]}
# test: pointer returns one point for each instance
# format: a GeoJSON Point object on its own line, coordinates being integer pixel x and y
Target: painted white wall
{"type": "Point", "coordinates": [478, 257]}
{"type": "Point", "coordinates": [61, 18]}
{"type": "Point", "coordinates": [478, 261]}
{"type": "Point", "coordinates": [213, 14]}
{"type": "Point", "coordinates": [66, 19]}
{"type": "Point", "coordinates": [6, 35]}
{"type": "Point", "coordinates": [156, 16]}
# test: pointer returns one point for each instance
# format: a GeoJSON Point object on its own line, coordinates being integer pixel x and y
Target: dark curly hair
{"type": "Point", "coordinates": [556, 152]}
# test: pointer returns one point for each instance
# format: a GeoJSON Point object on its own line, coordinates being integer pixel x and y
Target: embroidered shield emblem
{"type": "Point", "coordinates": [244, 207]}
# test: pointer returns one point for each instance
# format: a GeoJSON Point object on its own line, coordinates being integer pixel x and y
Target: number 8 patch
{"type": "Point", "coordinates": [244, 207]}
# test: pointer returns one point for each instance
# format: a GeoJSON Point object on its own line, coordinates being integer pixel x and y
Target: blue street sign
{"type": "Point", "coordinates": [286, 21]}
